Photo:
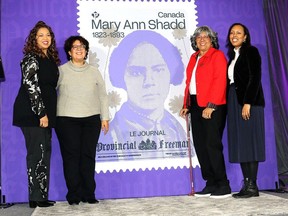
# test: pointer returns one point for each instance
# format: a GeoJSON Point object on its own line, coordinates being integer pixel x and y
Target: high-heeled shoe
{"type": "Point", "coordinates": [34, 204]}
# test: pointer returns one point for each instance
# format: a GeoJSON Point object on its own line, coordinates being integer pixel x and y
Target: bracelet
{"type": "Point", "coordinates": [211, 105]}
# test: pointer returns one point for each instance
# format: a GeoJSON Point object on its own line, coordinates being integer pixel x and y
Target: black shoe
{"type": "Point", "coordinates": [90, 201]}
{"type": "Point", "coordinates": [73, 202]}
{"type": "Point", "coordinates": [221, 192]}
{"type": "Point", "coordinates": [34, 204]}
{"type": "Point", "coordinates": [51, 201]}
{"type": "Point", "coordinates": [206, 192]}
{"type": "Point", "coordinates": [249, 189]}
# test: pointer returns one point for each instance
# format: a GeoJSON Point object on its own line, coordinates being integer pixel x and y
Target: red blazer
{"type": "Point", "coordinates": [211, 78]}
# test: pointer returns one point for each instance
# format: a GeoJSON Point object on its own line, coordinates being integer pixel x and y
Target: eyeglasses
{"type": "Point", "coordinates": [75, 47]}
{"type": "Point", "coordinates": [204, 37]}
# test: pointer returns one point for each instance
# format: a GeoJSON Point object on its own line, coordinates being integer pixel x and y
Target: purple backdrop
{"type": "Point", "coordinates": [18, 17]}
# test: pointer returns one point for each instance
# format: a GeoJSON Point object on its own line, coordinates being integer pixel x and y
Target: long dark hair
{"type": "Point", "coordinates": [32, 47]}
{"type": "Point", "coordinates": [245, 45]}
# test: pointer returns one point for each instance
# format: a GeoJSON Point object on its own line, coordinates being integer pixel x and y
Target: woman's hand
{"type": "Point", "coordinates": [44, 121]}
{"type": "Point", "coordinates": [246, 111]}
{"type": "Point", "coordinates": [105, 126]}
{"type": "Point", "coordinates": [183, 112]}
{"type": "Point", "coordinates": [207, 113]}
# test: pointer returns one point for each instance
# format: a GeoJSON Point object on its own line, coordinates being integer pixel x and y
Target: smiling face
{"type": "Point", "coordinates": [78, 52]}
{"type": "Point", "coordinates": [147, 77]}
{"type": "Point", "coordinates": [237, 36]}
{"type": "Point", "coordinates": [203, 42]}
{"type": "Point", "coordinates": [43, 39]}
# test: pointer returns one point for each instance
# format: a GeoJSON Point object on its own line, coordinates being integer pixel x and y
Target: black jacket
{"type": "Point", "coordinates": [37, 95]}
{"type": "Point", "coordinates": [247, 77]}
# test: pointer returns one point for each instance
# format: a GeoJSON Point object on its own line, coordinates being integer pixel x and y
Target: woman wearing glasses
{"type": "Point", "coordinates": [205, 99]}
{"type": "Point", "coordinates": [82, 111]}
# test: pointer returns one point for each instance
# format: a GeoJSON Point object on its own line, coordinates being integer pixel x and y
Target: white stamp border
{"type": "Point", "coordinates": [85, 9]}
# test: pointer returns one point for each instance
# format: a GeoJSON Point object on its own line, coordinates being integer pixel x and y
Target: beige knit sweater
{"type": "Point", "coordinates": [81, 92]}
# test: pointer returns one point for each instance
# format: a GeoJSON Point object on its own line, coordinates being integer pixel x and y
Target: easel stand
{"type": "Point", "coordinates": [3, 203]}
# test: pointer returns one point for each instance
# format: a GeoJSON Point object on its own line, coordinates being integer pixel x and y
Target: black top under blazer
{"type": "Point", "coordinates": [247, 77]}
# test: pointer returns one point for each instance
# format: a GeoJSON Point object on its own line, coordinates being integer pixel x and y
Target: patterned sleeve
{"type": "Point", "coordinates": [30, 66]}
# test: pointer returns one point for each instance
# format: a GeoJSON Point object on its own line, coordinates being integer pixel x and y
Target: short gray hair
{"type": "Point", "coordinates": [211, 34]}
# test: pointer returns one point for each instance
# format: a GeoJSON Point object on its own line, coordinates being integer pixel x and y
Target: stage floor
{"type": "Point", "coordinates": [269, 203]}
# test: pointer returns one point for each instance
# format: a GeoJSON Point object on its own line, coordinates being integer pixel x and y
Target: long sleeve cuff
{"type": "Point", "coordinates": [212, 105]}
{"type": "Point", "coordinates": [42, 114]}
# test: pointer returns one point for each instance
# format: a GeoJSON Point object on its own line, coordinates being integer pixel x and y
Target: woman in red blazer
{"type": "Point", "coordinates": [205, 100]}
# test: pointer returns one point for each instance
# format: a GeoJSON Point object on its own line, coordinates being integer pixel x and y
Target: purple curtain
{"type": "Point", "coordinates": [275, 15]}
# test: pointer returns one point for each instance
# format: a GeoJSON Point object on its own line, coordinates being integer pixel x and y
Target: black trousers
{"type": "Point", "coordinates": [207, 138]}
{"type": "Point", "coordinates": [78, 138]}
{"type": "Point", "coordinates": [38, 145]}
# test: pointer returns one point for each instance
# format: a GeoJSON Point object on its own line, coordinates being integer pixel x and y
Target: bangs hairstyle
{"type": "Point", "coordinates": [32, 47]}
{"type": "Point", "coordinates": [210, 33]}
{"type": "Point", "coordinates": [69, 43]}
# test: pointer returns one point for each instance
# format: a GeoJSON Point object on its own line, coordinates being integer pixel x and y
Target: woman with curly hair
{"type": "Point", "coordinates": [35, 108]}
{"type": "Point", "coordinates": [82, 111]}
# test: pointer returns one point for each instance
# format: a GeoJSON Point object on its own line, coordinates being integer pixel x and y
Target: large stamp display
{"type": "Point", "coordinates": [142, 49]}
